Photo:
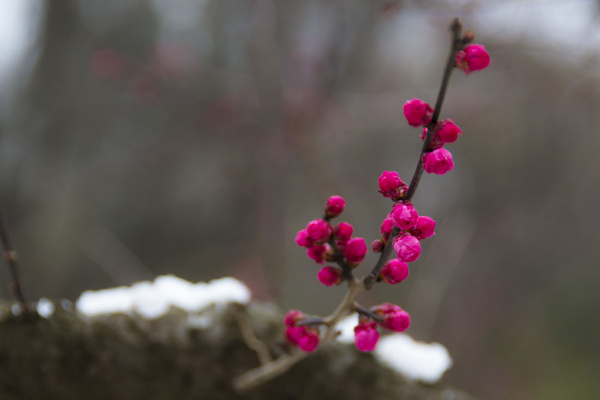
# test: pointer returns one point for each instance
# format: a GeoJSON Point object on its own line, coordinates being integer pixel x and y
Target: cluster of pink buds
{"type": "Point", "coordinates": [323, 241]}
{"type": "Point", "coordinates": [403, 229]}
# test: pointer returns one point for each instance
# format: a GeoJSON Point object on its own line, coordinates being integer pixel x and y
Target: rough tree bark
{"type": "Point", "coordinates": [179, 356]}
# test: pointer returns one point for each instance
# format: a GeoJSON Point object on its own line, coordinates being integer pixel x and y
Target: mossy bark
{"type": "Point", "coordinates": [179, 356]}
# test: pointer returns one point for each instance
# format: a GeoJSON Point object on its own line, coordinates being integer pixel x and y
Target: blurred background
{"type": "Point", "coordinates": [196, 137]}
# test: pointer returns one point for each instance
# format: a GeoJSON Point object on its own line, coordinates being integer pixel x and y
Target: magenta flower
{"type": "Point", "coordinates": [397, 321]}
{"type": "Point", "coordinates": [408, 248]}
{"type": "Point", "coordinates": [424, 228]}
{"type": "Point", "coordinates": [394, 271]}
{"type": "Point", "coordinates": [318, 231]}
{"type": "Point", "coordinates": [309, 340]}
{"type": "Point", "coordinates": [317, 253]}
{"type": "Point", "coordinates": [385, 308]}
{"type": "Point", "coordinates": [355, 250]}
{"type": "Point", "coordinates": [404, 215]}
{"type": "Point", "coordinates": [473, 58]}
{"type": "Point", "coordinates": [292, 316]}
{"type": "Point", "coordinates": [343, 231]}
{"type": "Point", "coordinates": [417, 112]}
{"type": "Point", "coordinates": [366, 336]}
{"type": "Point", "coordinates": [438, 162]}
{"type": "Point", "coordinates": [335, 206]}
{"type": "Point", "coordinates": [447, 131]}
{"type": "Point", "coordinates": [302, 239]}
{"type": "Point", "coordinates": [294, 333]}
{"type": "Point", "coordinates": [386, 227]}
{"type": "Point", "coordinates": [390, 184]}
{"type": "Point", "coordinates": [330, 276]}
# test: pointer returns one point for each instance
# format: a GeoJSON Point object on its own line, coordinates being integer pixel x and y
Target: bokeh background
{"type": "Point", "coordinates": [196, 137]}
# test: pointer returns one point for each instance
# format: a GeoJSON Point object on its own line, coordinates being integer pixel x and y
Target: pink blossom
{"type": "Point", "coordinates": [330, 276]}
{"type": "Point", "coordinates": [404, 215]}
{"type": "Point", "coordinates": [317, 253]}
{"type": "Point", "coordinates": [390, 184]}
{"type": "Point", "coordinates": [377, 246]}
{"type": "Point", "coordinates": [397, 321]}
{"type": "Point", "coordinates": [394, 271]}
{"type": "Point", "coordinates": [424, 228]}
{"type": "Point", "coordinates": [385, 308]}
{"type": "Point", "coordinates": [343, 231]}
{"type": "Point", "coordinates": [438, 162]}
{"type": "Point", "coordinates": [309, 340]}
{"type": "Point", "coordinates": [386, 227]}
{"type": "Point", "coordinates": [294, 333]}
{"type": "Point", "coordinates": [366, 336]}
{"type": "Point", "coordinates": [447, 131]}
{"type": "Point", "coordinates": [292, 316]}
{"type": "Point", "coordinates": [355, 250]}
{"type": "Point", "coordinates": [335, 206]}
{"type": "Point", "coordinates": [473, 58]}
{"type": "Point", "coordinates": [318, 231]}
{"type": "Point", "coordinates": [417, 112]}
{"type": "Point", "coordinates": [302, 239]}
{"type": "Point", "coordinates": [408, 248]}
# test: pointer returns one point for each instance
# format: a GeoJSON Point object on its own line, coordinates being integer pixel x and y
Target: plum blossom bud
{"type": "Point", "coordinates": [394, 271]}
{"type": "Point", "coordinates": [424, 228]}
{"type": "Point", "coordinates": [294, 333]}
{"type": "Point", "coordinates": [317, 253]}
{"type": "Point", "coordinates": [330, 276]}
{"type": "Point", "coordinates": [366, 336]}
{"type": "Point", "coordinates": [318, 231]}
{"type": "Point", "coordinates": [473, 58]}
{"type": "Point", "coordinates": [355, 250]}
{"type": "Point", "coordinates": [309, 340]}
{"type": "Point", "coordinates": [377, 246]}
{"type": "Point", "coordinates": [385, 308]}
{"type": "Point", "coordinates": [447, 131]}
{"type": "Point", "coordinates": [302, 239]}
{"type": "Point", "coordinates": [397, 321]}
{"type": "Point", "coordinates": [335, 206]}
{"type": "Point", "coordinates": [408, 248]}
{"type": "Point", "coordinates": [386, 227]}
{"type": "Point", "coordinates": [438, 162]}
{"type": "Point", "coordinates": [417, 112]}
{"type": "Point", "coordinates": [390, 184]}
{"type": "Point", "coordinates": [293, 316]}
{"type": "Point", "coordinates": [343, 232]}
{"type": "Point", "coordinates": [404, 215]}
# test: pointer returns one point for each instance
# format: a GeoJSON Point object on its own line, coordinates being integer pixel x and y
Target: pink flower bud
{"type": "Point", "coordinates": [366, 336]}
{"type": "Point", "coordinates": [335, 206]}
{"type": "Point", "coordinates": [390, 184]}
{"type": "Point", "coordinates": [408, 248]}
{"type": "Point", "coordinates": [417, 112]}
{"type": "Point", "coordinates": [386, 227]}
{"type": "Point", "coordinates": [397, 321]}
{"type": "Point", "coordinates": [330, 276]}
{"type": "Point", "coordinates": [424, 228]}
{"type": "Point", "coordinates": [473, 58]}
{"type": "Point", "coordinates": [302, 239]}
{"type": "Point", "coordinates": [343, 231]}
{"type": "Point", "coordinates": [318, 231]}
{"type": "Point", "coordinates": [385, 308]}
{"type": "Point", "coordinates": [294, 333]}
{"type": "Point", "coordinates": [394, 271]}
{"type": "Point", "coordinates": [317, 253]}
{"type": "Point", "coordinates": [438, 162]}
{"type": "Point", "coordinates": [309, 340]}
{"type": "Point", "coordinates": [377, 246]}
{"type": "Point", "coordinates": [355, 250]}
{"type": "Point", "coordinates": [447, 131]}
{"type": "Point", "coordinates": [292, 316]}
{"type": "Point", "coordinates": [404, 215]}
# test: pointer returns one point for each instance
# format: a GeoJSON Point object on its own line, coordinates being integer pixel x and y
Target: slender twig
{"type": "Point", "coordinates": [365, 311]}
{"type": "Point", "coordinates": [261, 349]}
{"type": "Point", "coordinates": [12, 257]}
{"type": "Point", "coordinates": [457, 43]}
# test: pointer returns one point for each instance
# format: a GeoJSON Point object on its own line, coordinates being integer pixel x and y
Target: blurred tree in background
{"type": "Point", "coordinates": [196, 137]}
